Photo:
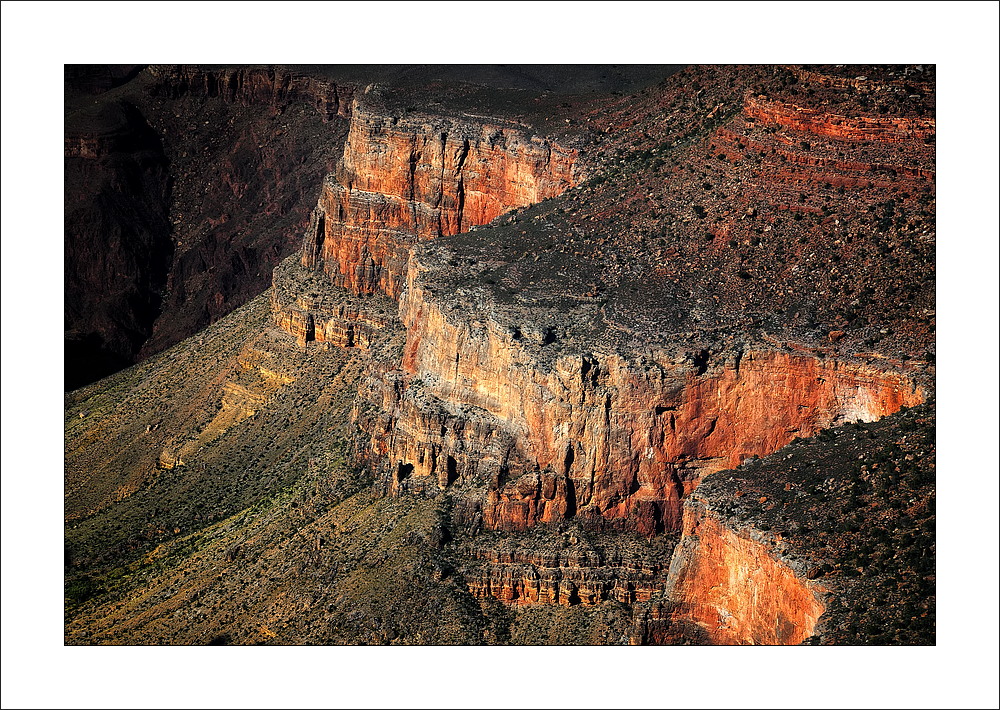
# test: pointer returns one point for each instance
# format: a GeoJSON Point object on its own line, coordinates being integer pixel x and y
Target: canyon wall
{"type": "Point", "coordinates": [611, 438]}
{"type": "Point", "coordinates": [267, 86]}
{"type": "Point", "coordinates": [117, 247]}
{"type": "Point", "coordinates": [185, 186]}
{"type": "Point", "coordinates": [734, 589]}
{"type": "Point", "coordinates": [564, 577]}
{"type": "Point", "coordinates": [414, 178]}
{"type": "Point", "coordinates": [528, 430]}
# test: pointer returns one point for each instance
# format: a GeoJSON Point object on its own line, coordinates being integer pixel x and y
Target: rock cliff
{"type": "Point", "coordinates": [861, 128]}
{"type": "Point", "coordinates": [536, 400]}
{"type": "Point", "coordinates": [414, 177]}
{"type": "Point", "coordinates": [566, 569]}
{"type": "Point", "coordinates": [663, 375]}
{"type": "Point", "coordinates": [554, 432]}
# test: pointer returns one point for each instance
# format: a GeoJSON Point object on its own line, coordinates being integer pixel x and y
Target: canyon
{"type": "Point", "coordinates": [521, 370]}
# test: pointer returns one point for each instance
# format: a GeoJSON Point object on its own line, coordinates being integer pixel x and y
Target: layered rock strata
{"type": "Point", "coordinates": [267, 86]}
{"type": "Point", "coordinates": [565, 577]}
{"type": "Point", "coordinates": [830, 541]}
{"type": "Point", "coordinates": [414, 178]}
{"type": "Point", "coordinates": [614, 438]}
{"type": "Point", "coordinates": [847, 128]}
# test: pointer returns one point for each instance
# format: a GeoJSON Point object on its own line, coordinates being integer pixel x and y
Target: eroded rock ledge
{"type": "Point", "coordinates": [416, 177]}
{"type": "Point", "coordinates": [549, 432]}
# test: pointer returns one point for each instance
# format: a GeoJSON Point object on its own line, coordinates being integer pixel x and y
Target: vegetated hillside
{"type": "Point", "coordinates": [212, 498]}
{"type": "Point", "coordinates": [535, 441]}
{"type": "Point", "coordinates": [712, 211]}
{"type": "Point", "coordinates": [195, 434]}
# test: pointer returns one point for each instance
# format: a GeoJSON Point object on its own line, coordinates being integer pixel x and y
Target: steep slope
{"type": "Point", "coordinates": [832, 540]}
{"type": "Point", "coordinates": [181, 197]}
{"type": "Point", "coordinates": [117, 245]}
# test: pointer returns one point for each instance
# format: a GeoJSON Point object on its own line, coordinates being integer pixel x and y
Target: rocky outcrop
{"type": "Point", "coordinates": [564, 577]}
{"type": "Point", "coordinates": [308, 306]}
{"type": "Point", "coordinates": [616, 439]}
{"type": "Point", "coordinates": [733, 588]}
{"type": "Point", "coordinates": [250, 86]}
{"type": "Point", "coordinates": [247, 386]}
{"type": "Point", "coordinates": [416, 177]}
{"type": "Point", "coordinates": [879, 129]}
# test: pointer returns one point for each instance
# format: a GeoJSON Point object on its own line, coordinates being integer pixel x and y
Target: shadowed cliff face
{"type": "Point", "coordinates": [117, 243]}
{"type": "Point", "coordinates": [179, 208]}
{"type": "Point", "coordinates": [272, 87]}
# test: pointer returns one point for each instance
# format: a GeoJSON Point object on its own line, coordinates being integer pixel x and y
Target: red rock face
{"type": "Point", "coordinates": [615, 441]}
{"type": "Point", "coordinates": [732, 587]}
{"type": "Point", "coordinates": [416, 178]}
{"type": "Point", "coordinates": [847, 128]}
{"type": "Point", "coordinates": [566, 578]}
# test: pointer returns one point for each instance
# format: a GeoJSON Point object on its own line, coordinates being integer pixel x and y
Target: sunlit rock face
{"type": "Point", "coordinates": [419, 177]}
{"type": "Point", "coordinates": [733, 588]}
{"type": "Point", "coordinates": [619, 441]}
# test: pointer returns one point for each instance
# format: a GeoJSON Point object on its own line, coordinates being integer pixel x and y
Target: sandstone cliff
{"type": "Point", "coordinates": [416, 177]}
{"type": "Point", "coordinates": [555, 432]}
{"type": "Point", "coordinates": [729, 584]}
{"type": "Point", "coordinates": [867, 128]}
